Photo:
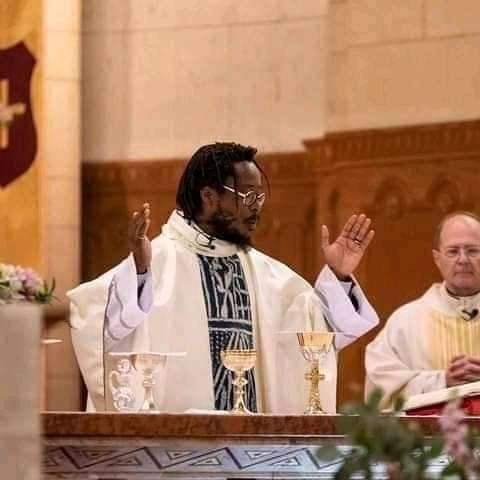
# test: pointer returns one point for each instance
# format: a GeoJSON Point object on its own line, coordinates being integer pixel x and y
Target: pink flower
{"type": "Point", "coordinates": [18, 284]}
{"type": "Point", "coordinates": [31, 281]}
{"type": "Point", "coordinates": [455, 434]}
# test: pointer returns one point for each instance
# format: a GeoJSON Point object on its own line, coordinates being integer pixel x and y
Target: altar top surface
{"type": "Point", "coordinates": [56, 424]}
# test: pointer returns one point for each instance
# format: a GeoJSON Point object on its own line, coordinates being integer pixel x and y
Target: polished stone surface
{"type": "Point", "coordinates": [19, 391]}
{"type": "Point", "coordinates": [78, 424]}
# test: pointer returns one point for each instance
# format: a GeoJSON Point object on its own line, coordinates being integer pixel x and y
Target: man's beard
{"type": "Point", "coordinates": [221, 227]}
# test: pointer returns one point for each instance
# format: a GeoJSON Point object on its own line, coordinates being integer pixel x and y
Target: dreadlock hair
{"type": "Point", "coordinates": [210, 166]}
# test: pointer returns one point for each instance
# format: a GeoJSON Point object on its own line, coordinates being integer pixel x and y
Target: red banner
{"type": "Point", "coordinates": [18, 137]}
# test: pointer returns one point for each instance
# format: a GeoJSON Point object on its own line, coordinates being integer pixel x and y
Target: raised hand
{"type": "Point", "coordinates": [345, 253]}
{"type": "Point", "coordinates": [138, 242]}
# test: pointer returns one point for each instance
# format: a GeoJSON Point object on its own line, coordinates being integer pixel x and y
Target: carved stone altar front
{"type": "Point", "coordinates": [142, 446]}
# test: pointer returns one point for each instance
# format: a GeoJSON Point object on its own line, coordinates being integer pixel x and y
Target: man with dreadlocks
{"type": "Point", "coordinates": [200, 287]}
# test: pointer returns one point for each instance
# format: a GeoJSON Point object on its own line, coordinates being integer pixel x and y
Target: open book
{"type": "Point", "coordinates": [431, 403]}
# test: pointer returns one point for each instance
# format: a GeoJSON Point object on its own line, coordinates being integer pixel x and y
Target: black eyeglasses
{"type": "Point", "coordinates": [249, 198]}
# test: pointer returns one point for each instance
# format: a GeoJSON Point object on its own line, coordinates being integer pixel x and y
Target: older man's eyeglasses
{"type": "Point", "coordinates": [470, 251]}
{"type": "Point", "coordinates": [249, 198]}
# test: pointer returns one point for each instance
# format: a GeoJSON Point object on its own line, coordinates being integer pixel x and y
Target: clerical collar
{"type": "Point", "coordinates": [194, 238]}
{"type": "Point", "coordinates": [203, 238]}
{"type": "Point", "coordinates": [459, 297]}
{"type": "Point", "coordinates": [467, 307]}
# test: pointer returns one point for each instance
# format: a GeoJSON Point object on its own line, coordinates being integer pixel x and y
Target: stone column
{"type": "Point", "coordinates": [19, 392]}
{"type": "Point", "coordinates": [61, 185]}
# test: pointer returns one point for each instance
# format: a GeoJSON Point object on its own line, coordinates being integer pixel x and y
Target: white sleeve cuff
{"type": "Point", "coordinates": [127, 306]}
{"type": "Point", "coordinates": [340, 313]}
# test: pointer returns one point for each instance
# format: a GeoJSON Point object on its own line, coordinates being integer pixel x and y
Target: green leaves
{"type": "Point", "coordinates": [453, 471]}
{"type": "Point", "coordinates": [45, 294]}
{"type": "Point", "coordinates": [398, 404]}
{"type": "Point", "coordinates": [379, 438]}
{"type": "Point", "coordinates": [436, 447]}
{"type": "Point", "coordinates": [329, 453]}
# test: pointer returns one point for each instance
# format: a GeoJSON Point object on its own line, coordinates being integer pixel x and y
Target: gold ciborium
{"type": "Point", "coordinates": [239, 361]}
{"type": "Point", "coordinates": [314, 347]}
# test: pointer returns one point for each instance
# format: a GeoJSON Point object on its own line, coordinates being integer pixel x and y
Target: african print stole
{"type": "Point", "coordinates": [230, 326]}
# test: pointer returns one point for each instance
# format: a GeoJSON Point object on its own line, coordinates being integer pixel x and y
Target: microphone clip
{"type": "Point", "coordinates": [468, 315]}
{"type": "Point", "coordinates": [205, 241]}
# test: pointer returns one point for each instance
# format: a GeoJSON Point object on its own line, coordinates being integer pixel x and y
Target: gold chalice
{"type": "Point", "coordinates": [314, 347]}
{"type": "Point", "coordinates": [239, 361]}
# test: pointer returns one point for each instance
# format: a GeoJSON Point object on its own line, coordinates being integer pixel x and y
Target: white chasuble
{"type": "Point", "coordinates": [169, 315]}
{"type": "Point", "coordinates": [412, 352]}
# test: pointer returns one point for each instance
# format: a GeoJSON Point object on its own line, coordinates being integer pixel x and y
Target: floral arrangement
{"type": "Point", "coordinates": [407, 454]}
{"type": "Point", "coordinates": [460, 443]}
{"type": "Point", "coordinates": [18, 284]}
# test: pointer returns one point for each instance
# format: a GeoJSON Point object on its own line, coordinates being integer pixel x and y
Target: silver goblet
{"type": "Point", "coordinates": [147, 363]}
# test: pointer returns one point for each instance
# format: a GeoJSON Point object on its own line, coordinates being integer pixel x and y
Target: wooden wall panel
{"type": "Point", "coordinates": [111, 191]}
{"type": "Point", "coordinates": [406, 179]}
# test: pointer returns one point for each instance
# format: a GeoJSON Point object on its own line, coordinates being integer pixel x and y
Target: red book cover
{"type": "Point", "coordinates": [470, 405]}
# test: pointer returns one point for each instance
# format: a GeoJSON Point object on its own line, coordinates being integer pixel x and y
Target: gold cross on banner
{"type": "Point", "coordinates": [7, 112]}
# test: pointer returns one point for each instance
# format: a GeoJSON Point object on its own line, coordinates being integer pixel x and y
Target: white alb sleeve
{"type": "Point", "coordinates": [338, 310]}
{"type": "Point", "coordinates": [130, 298]}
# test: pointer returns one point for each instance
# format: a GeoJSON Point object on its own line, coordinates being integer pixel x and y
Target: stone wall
{"type": "Point", "coordinates": [162, 78]}
{"type": "Point", "coordinates": [402, 62]}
